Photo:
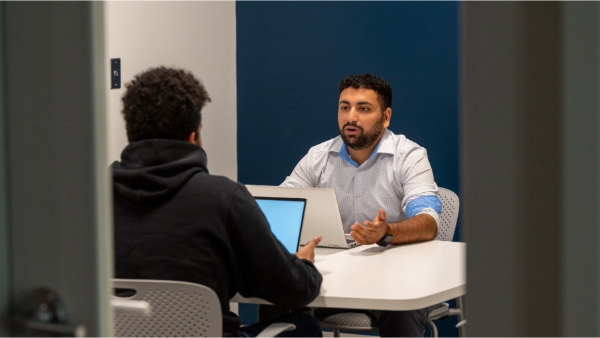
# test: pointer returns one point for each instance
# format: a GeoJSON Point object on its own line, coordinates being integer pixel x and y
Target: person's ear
{"type": "Point", "coordinates": [192, 138]}
{"type": "Point", "coordinates": [387, 116]}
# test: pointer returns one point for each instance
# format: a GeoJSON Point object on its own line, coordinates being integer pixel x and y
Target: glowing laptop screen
{"type": "Point", "coordinates": [285, 215]}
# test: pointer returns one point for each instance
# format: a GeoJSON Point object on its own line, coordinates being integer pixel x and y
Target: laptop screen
{"type": "Point", "coordinates": [321, 217]}
{"type": "Point", "coordinates": [285, 215]}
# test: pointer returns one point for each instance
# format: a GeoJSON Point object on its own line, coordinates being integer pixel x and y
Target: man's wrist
{"type": "Point", "coordinates": [387, 237]}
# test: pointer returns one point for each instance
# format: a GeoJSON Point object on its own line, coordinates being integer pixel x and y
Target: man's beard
{"type": "Point", "coordinates": [362, 140]}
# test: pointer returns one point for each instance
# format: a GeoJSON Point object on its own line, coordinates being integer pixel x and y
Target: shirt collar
{"type": "Point", "coordinates": [385, 145]}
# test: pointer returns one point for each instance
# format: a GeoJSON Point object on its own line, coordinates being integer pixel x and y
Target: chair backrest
{"type": "Point", "coordinates": [449, 215]}
{"type": "Point", "coordinates": [178, 309]}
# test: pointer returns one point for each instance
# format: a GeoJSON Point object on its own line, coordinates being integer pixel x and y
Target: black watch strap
{"type": "Point", "coordinates": [387, 238]}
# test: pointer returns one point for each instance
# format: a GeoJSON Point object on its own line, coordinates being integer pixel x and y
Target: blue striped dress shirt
{"type": "Point", "coordinates": [397, 178]}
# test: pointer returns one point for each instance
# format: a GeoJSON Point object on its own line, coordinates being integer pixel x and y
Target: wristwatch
{"type": "Point", "coordinates": [387, 238]}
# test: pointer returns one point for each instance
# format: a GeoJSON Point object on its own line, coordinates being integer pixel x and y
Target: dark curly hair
{"type": "Point", "coordinates": [370, 81]}
{"type": "Point", "coordinates": [163, 103]}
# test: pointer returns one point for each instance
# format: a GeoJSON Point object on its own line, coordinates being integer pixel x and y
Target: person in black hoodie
{"type": "Point", "coordinates": [175, 221]}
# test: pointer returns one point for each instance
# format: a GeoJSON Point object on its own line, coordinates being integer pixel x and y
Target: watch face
{"type": "Point", "coordinates": [385, 240]}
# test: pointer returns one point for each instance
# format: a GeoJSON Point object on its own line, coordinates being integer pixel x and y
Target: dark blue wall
{"type": "Point", "coordinates": [291, 55]}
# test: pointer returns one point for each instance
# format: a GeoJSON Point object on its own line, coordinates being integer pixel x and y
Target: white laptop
{"type": "Point", "coordinates": [321, 217]}
{"type": "Point", "coordinates": [285, 216]}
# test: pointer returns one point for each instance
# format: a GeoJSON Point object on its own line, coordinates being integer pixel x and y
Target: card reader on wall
{"type": "Point", "coordinates": [115, 73]}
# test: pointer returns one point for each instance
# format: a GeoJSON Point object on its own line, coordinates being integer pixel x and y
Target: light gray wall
{"type": "Point", "coordinates": [58, 204]}
{"type": "Point", "coordinates": [196, 35]}
{"type": "Point", "coordinates": [529, 147]}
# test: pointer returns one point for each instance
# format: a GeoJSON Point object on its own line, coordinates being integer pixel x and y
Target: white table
{"type": "Point", "coordinates": [398, 277]}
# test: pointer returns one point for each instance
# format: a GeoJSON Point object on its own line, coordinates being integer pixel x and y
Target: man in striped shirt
{"type": "Point", "coordinates": [383, 182]}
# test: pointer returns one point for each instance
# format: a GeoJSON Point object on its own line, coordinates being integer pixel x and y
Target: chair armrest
{"type": "Point", "coordinates": [275, 329]}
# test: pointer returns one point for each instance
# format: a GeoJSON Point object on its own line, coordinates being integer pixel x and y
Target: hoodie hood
{"type": "Point", "coordinates": [154, 170]}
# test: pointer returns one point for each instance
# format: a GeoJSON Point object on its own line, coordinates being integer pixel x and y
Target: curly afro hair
{"type": "Point", "coordinates": [163, 103]}
{"type": "Point", "coordinates": [370, 81]}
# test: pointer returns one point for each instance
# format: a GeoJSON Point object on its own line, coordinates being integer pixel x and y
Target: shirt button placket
{"type": "Point", "coordinates": [358, 194]}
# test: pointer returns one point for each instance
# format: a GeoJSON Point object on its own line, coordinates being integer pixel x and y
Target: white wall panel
{"type": "Point", "coordinates": [197, 36]}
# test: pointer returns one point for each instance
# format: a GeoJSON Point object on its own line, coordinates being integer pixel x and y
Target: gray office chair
{"type": "Point", "coordinates": [356, 321]}
{"type": "Point", "coordinates": [176, 309]}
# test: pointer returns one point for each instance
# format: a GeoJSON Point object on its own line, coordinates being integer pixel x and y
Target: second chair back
{"type": "Point", "coordinates": [449, 215]}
